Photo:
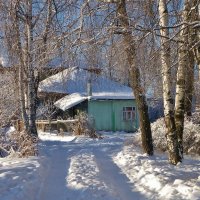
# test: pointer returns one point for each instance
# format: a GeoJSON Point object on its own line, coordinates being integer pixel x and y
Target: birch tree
{"type": "Point", "coordinates": [23, 21]}
{"type": "Point", "coordinates": [193, 51]}
{"type": "Point", "coordinates": [171, 135]}
{"type": "Point", "coordinates": [31, 95]}
{"type": "Point", "coordinates": [183, 64]}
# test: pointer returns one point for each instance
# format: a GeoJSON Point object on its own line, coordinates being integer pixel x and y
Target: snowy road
{"type": "Point", "coordinates": [117, 181]}
{"type": "Point", "coordinates": [70, 168]}
{"type": "Point", "coordinates": [84, 171]}
{"type": "Point", "coordinates": [54, 185]}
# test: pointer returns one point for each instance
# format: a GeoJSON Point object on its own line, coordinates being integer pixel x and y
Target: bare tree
{"type": "Point", "coordinates": [186, 61]}
{"type": "Point", "coordinates": [138, 90]}
{"type": "Point", "coordinates": [180, 89]}
{"type": "Point", "coordinates": [23, 21]}
{"type": "Point", "coordinates": [171, 135]}
{"type": "Point", "coordinates": [193, 52]}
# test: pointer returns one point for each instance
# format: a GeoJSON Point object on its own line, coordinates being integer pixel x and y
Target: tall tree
{"type": "Point", "coordinates": [138, 90]}
{"type": "Point", "coordinates": [23, 19]}
{"type": "Point", "coordinates": [181, 77]}
{"type": "Point", "coordinates": [193, 51]}
{"type": "Point", "coordinates": [31, 92]}
{"type": "Point", "coordinates": [171, 135]}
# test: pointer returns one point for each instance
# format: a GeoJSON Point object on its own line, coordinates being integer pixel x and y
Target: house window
{"type": "Point", "coordinates": [128, 113]}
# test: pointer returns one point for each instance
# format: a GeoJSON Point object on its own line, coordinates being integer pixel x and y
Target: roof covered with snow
{"type": "Point", "coordinates": [69, 101]}
{"type": "Point", "coordinates": [75, 80]}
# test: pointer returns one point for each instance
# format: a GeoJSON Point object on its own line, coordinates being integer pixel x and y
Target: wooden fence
{"type": "Point", "coordinates": [58, 125]}
{"type": "Point", "coordinates": [48, 125]}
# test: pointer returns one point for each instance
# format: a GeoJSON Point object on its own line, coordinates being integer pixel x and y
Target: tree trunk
{"type": "Point", "coordinates": [181, 77]}
{"type": "Point", "coordinates": [171, 135]}
{"type": "Point", "coordinates": [198, 38]}
{"type": "Point", "coordinates": [43, 46]}
{"type": "Point", "coordinates": [20, 75]}
{"type": "Point", "coordinates": [199, 71]}
{"type": "Point", "coordinates": [189, 85]}
{"type": "Point", "coordinates": [135, 79]}
{"type": "Point", "coordinates": [180, 96]}
{"type": "Point", "coordinates": [31, 96]}
{"type": "Point", "coordinates": [197, 57]}
{"type": "Point", "coordinates": [193, 53]}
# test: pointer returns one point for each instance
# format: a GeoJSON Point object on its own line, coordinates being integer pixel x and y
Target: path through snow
{"type": "Point", "coordinates": [84, 171]}
{"type": "Point", "coordinates": [113, 177]}
{"type": "Point", "coordinates": [70, 168]}
{"type": "Point", "coordinates": [54, 184]}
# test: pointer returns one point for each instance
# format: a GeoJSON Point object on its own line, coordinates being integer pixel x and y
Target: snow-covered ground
{"type": "Point", "coordinates": [70, 168]}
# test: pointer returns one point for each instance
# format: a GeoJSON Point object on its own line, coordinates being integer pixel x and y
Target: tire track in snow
{"type": "Point", "coordinates": [113, 177]}
{"type": "Point", "coordinates": [69, 174]}
{"type": "Point", "coordinates": [54, 185]}
{"type": "Point", "coordinates": [83, 178]}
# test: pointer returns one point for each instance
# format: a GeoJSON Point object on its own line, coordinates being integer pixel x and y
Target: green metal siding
{"type": "Point", "coordinates": [101, 111]}
{"type": "Point", "coordinates": [108, 115]}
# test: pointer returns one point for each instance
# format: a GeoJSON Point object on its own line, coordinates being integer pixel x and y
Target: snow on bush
{"type": "Point", "coordinates": [84, 126]}
{"type": "Point", "coordinates": [191, 136]}
{"type": "Point", "coordinates": [25, 145]}
{"type": "Point", "coordinates": [17, 143]}
{"type": "Point", "coordinates": [4, 143]}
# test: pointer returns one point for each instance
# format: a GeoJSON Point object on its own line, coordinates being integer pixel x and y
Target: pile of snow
{"type": "Point", "coordinates": [83, 171]}
{"type": "Point", "coordinates": [19, 178]}
{"type": "Point", "coordinates": [156, 178]}
{"type": "Point", "coordinates": [46, 136]}
{"type": "Point", "coordinates": [83, 177]}
{"type": "Point", "coordinates": [191, 136]}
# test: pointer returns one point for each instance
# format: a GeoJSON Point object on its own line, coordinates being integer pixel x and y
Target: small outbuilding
{"type": "Point", "coordinates": [111, 105]}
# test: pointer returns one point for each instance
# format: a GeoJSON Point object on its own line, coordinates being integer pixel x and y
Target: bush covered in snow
{"type": "Point", "coordinates": [18, 143]}
{"type": "Point", "coordinates": [84, 126]}
{"type": "Point", "coordinates": [24, 144]}
{"type": "Point", "coordinates": [191, 135]}
{"type": "Point", "coordinates": [4, 143]}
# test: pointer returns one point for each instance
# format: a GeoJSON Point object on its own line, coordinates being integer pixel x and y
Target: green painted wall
{"type": "Point", "coordinates": [108, 115]}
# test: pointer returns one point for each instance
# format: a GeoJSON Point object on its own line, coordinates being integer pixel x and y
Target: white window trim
{"type": "Point", "coordinates": [131, 112]}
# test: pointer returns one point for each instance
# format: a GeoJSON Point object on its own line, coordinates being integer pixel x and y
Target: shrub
{"type": "Point", "coordinates": [24, 144]}
{"type": "Point", "coordinates": [191, 135]}
{"type": "Point", "coordinates": [84, 126]}
{"type": "Point", "coordinates": [18, 143]}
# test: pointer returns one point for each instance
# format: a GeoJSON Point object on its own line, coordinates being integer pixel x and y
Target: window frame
{"type": "Point", "coordinates": [129, 113]}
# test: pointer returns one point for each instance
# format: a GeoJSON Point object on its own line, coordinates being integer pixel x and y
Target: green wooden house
{"type": "Point", "coordinates": [114, 114]}
{"type": "Point", "coordinates": [111, 105]}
